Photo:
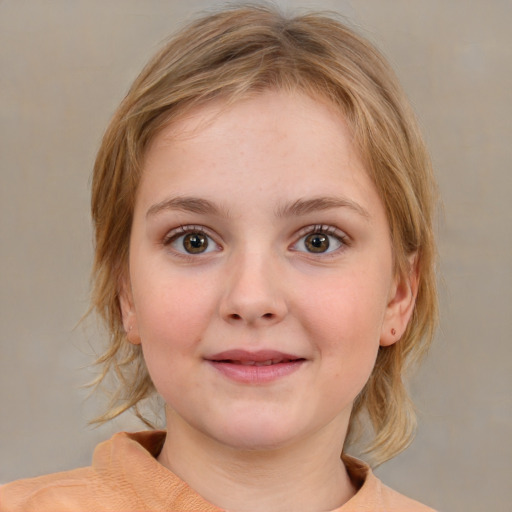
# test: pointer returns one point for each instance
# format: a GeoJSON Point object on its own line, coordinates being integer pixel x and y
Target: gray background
{"type": "Point", "coordinates": [65, 65]}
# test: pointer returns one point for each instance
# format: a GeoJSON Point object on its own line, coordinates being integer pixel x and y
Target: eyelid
{"type": "Point", "coordinates": [322, 228]}
{"type": "Point", "coordinates": [326, 229]}
{"type": "Point", "coordinates": [176, 233]}
{"type": "Point", "coordinates": [182, 230]}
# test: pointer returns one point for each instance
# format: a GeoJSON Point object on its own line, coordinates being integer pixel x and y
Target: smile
{"type": "Point", "coordinates": [255, 367]}
{"type": "Point", "coordinates": [268, 362]}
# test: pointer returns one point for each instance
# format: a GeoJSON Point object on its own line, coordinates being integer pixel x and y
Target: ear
{"type": "Point", "coordinates": [128, 311]}
{"type": "Point", "coordinates": [402, 299]}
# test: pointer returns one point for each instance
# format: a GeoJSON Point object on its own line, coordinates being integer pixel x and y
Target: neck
{"type": "Point", "coordinates": [306, 475]}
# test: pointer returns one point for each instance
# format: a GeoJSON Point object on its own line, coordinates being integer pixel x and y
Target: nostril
{"type": "Point", "coordinates": [267, 316]}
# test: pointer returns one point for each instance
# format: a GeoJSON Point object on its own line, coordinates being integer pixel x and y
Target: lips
{"type": "Point", "coordinates": [255, 367]}
{"type": "Point", "coordinates": [258, 358]}
{"type": "Point", "coordinates": [268, 362]}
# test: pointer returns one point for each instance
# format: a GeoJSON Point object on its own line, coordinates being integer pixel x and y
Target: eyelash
{"type": "Point", "coordinates": [328, 230]}
{"type": "Point", "coordinates": [324, 229]}
{"type": "Point", "coordinates": [182, 231]}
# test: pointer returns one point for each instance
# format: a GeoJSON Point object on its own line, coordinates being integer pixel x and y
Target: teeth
{"type": "Point", "coordinates": [263, 363]}
{"type": "Point", "coordinates": [268, 362]}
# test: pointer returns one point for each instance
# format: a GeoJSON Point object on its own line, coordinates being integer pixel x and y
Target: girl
{"type": "Point", "coordinates": [262, 203]}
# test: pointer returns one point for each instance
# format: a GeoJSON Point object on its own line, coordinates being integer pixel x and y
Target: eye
{"type": "Point", "coordinates": [190, 240]}
{"type": "Point", "coordinates": [320, 240]}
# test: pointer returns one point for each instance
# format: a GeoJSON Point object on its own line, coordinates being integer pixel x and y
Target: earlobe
{"type": "Point", "coordinates": [128, 313]}
{"type": "Point", "coordinates": [401, 305]}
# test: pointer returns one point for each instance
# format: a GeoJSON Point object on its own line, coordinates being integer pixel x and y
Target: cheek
{"type": "Point", "coordinates": [348, 309]}
{"type": "Point", "coordinates": [345, 321]}
{"type": "Point", "coordinates": [172, 318]}
{"type": "Point", "coordinates": [172, 315]}
{"type": "Point", "coordinates": [171, 326]}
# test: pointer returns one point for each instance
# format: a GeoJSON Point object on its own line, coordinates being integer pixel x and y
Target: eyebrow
{"type": "Point", "coordinates": [297, 208]}
{"type": "Point", "coordinates": [185, 204]}
{"type": "Point", "coordinates": [305, 206]}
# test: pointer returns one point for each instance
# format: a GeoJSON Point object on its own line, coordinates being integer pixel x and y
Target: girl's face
{"type": "Point", "coordinates": [261, 278]}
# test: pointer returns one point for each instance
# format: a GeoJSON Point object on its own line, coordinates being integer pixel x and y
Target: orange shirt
{"type": "Point", "coordinates": [126, 476]}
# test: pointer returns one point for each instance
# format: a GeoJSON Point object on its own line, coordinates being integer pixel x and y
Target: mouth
{"type": "Point", "coordinates": [255, 367]}
{"type": "Point", "coordinates": [267, 362]}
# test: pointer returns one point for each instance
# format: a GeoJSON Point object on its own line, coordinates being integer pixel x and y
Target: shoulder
{"type": "Point", "coordinates": [373, 495]}
{"type": "Point", "coordinates": [401, 503]}
{"type": "Point", "coordinates": [90, 488]}
{"type": "Point", "coordinates": [124, 475]}
{"type": "Point", "coordinates": [53, 492]}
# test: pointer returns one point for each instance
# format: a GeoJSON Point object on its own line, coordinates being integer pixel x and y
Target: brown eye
{"type": "Point", "coordinates": [195, 243]}
{"type": "Point", "coordinates": [317, 242]}
{"type": "Point", "coordinates": [190, 240]}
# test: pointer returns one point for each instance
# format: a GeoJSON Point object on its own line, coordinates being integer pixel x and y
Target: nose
{"type": "Point", "coordinates": [254, 294]}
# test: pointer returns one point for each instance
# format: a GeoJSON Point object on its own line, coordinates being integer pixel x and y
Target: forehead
{"type": "Point", "coordinates": [291, 116]}
{"type": "Point", "coordinates": [274, 140]}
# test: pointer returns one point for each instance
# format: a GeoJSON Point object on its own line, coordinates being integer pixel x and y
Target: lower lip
{"type": "Point", "coordinates": [251, 374]}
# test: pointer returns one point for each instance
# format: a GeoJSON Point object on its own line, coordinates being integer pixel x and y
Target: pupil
{"type": "Point", "coordinates": [195, 243]}
{"type": "Point", "coordinates": [317, 242]}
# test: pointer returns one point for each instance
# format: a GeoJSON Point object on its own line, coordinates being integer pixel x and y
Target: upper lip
{"type": "Point", "coordinates": [246, 356]}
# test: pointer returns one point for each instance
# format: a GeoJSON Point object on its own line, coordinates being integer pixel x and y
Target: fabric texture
{"type": "Point", "coordinates": [125, 476]}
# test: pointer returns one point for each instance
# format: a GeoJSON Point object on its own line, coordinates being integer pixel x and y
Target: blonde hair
{"type": "Point", "coordinates": [229, 55]}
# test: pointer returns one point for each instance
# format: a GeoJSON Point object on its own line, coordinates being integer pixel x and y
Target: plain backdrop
{"type": "Point", "coordinates": [64, 67]}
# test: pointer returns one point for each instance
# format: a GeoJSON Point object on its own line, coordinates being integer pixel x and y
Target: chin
{"type": "Point", "coordinates": [257, 435]}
